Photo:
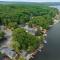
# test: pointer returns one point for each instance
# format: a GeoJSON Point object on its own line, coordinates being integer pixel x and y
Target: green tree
{"type": "Point", "coordinates": [24, 41]}
{"type": "Point", "coordinates": [12, 25]}
{"type": "Point", "coordinates": [40, 21]}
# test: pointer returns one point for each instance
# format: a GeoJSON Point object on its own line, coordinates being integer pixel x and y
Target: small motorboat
{"type": "Point", "coordinates": [45, 41]}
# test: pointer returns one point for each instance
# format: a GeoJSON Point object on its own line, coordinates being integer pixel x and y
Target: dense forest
{"type": "Point", "coordinates": [13, 15]}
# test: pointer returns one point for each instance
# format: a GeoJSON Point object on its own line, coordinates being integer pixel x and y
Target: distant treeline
{"type": "Point", "coordinates": [31, 3]}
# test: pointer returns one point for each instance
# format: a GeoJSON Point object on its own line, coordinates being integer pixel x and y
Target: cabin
{"type": "Point", "coordinates": [8, 52]}
{"type": "Point", "coordinates": [29, 29]}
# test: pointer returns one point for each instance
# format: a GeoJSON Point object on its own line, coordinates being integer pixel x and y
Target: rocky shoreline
{"type": "Point", "coordinates": [44, 31]}
{"type": "Point", "coordinates": [55, 21]}
{"type": "Point", "coordinates": [31, 56]}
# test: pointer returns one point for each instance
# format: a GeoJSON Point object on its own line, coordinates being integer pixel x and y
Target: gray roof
{"type": "Point", "coordinates": [8, 52]}
{"type": "Point", "coordinates": [29, 29]}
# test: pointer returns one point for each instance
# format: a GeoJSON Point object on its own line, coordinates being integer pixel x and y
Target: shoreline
{"type": "Point", "coordinates": [39, 49]}
{"type": "Point", "coordinates": [31, 55]}
{"type": "Point", "coordinates": [55, 21]}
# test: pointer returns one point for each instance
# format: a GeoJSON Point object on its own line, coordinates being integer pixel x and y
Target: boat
{"type": "Point", "coordinates": [45, 41]}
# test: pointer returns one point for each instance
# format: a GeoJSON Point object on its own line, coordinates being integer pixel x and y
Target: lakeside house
{"type": "Point", "coordinates": [29, 29]}
{"type": "Point", "coordinates": [56, 21]}
{"type": "Point", "coordinates": [8, 52]}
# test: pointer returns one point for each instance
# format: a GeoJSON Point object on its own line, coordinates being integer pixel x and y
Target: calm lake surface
{"type": "Point", "coordinates": [58, 7]}
{"type": "Point", "coordinates": [53, 39]}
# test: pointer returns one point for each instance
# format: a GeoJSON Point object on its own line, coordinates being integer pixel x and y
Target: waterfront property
{"type": "Point", "coordinates": [8, 52]}
{"type": "Point", "coordinates": [29, 29]}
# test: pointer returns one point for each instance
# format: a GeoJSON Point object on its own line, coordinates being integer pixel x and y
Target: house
{"type": "Point", "coordinates": [23, 52]}
{"type": "Point", "coordinates": [8, 52]}
{"type": "Point", "coordinates": [29, 29]}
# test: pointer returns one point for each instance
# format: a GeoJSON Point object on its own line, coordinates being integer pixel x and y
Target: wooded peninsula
{"type": "Point", "coordinates": [27, 25]}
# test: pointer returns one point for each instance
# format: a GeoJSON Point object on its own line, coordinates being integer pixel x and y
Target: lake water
{"type": "Point", "coordinates": [58, 7]}
{"type": "Point", "coordinates": [53, 39]}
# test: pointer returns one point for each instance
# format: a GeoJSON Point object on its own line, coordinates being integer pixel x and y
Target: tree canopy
{"type": "Point", "coordinates": [24, 41]}
{"type": "Point", "coordinates": [20, 14]}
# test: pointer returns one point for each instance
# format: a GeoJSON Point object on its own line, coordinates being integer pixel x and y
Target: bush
{"type": "Point", "coordinates": [24, 41]}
